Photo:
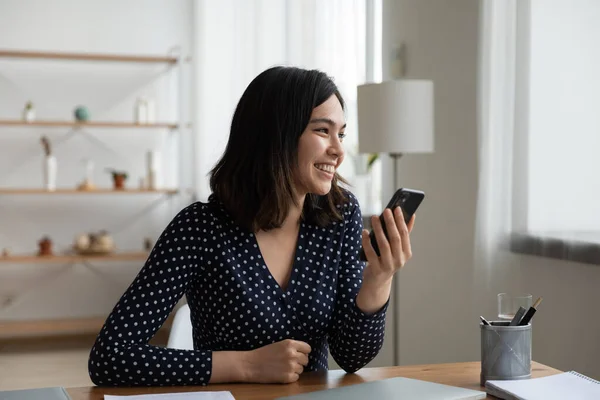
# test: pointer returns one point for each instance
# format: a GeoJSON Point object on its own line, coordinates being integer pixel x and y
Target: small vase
{"type": "Point", "coordinates": [29, 115]}
{"type": "Point", "coordinates": [50, 167]}
{"type": "Point", "coordinates": [82, 114]}
{"type": "Point", "coordinates": [152, 168]}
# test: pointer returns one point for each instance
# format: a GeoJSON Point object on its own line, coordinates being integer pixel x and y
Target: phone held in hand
{"type": "Point", "coordinates": [408, 200]}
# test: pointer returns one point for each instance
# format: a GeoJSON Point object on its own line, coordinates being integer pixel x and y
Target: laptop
{"type": "Point", "coordinates": [392, 388]}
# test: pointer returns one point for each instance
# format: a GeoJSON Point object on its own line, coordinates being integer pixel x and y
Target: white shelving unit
{"type": "Point", "coordinates": [176, 146]}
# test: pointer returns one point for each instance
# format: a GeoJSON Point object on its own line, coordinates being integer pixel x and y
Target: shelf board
{"type": "Point", "coordinates": [90, 124]}
{"type": "Point", "coordinates": [4, 191]}
{"type": "Point", "coordinates": [73, 258]}
{"type": "Point", "coordinates": [12, 329]}
{"type": "Point", "coordinates": [87, 57]}
{"type": "Point", "coordinates": [61, 327]}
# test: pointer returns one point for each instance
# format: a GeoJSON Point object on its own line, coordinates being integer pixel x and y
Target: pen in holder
{"type": "Point", "coordinates": [505, 351]}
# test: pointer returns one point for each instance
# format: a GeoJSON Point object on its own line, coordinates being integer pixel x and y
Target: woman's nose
{"type": "Point", "coordinates": [336, 149]}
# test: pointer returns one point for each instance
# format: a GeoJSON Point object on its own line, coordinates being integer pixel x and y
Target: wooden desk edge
{"type": "Point", "coordinates": [465, 375]}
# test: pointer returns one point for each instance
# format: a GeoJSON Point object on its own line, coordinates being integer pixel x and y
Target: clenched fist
{"type": "Point", "coordinates": [280, 362]}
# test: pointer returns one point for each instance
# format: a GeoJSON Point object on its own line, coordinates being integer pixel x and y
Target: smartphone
{"type": "Point", "coordinates": [408, 200]}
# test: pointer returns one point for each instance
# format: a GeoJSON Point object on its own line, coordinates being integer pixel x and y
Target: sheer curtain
{"type": "Point", "coordinates": [234, 40]}
{"type": "Point", "coordinates": [498, 127]}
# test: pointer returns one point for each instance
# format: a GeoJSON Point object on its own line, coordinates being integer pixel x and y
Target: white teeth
{"type": "Point", "coordinates": [325, 167]}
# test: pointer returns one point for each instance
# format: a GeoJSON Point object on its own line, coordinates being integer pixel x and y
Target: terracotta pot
{"type": "Point", "coordinates": [45, 247]}
{"type": "Point", "coordinates": [119, 181]}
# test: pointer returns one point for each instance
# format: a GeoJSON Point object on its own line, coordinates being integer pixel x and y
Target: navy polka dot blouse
{"type": "Point", "coordinates": [235, 302]}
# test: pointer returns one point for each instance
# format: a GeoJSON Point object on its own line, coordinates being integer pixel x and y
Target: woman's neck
{"type": "Point", "coordinates": [292, 221]}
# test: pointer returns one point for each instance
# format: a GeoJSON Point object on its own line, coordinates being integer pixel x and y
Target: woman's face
{"type": "Point", "coordinates": [320, 149]}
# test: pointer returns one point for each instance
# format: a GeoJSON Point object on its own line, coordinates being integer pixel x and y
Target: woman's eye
{"type": "Point", "coordinates": [342, 135]}
{"type": "Point", "coordinates": [322, 130]}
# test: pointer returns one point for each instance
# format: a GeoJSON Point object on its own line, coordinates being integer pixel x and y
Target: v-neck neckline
{"type": "Point", "coordinates": [294, 272]}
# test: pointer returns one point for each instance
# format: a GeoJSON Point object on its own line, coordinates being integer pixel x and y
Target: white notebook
{"type": "Point", "coordinates": [568, 385]}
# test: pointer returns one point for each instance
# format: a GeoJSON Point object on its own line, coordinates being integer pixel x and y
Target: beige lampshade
{"type": "Point", "coordinates": [396, 117]}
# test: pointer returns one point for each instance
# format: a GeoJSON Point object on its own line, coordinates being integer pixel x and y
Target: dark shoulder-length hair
{"type": "Point", "coordinates": [254, 178]}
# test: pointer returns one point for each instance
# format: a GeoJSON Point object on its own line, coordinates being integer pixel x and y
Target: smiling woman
{"type": "Point", "coordinates": [270, 264]}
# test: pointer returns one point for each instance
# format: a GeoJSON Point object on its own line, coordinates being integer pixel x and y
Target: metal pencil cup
{"type": "Point", "coordinates": [505, 351]}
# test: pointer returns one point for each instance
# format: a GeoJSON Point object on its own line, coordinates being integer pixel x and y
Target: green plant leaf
{"type": "Point", "coordinates": [371, 160]}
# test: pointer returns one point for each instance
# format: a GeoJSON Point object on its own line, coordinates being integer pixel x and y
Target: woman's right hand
{"type": "Point", "coordinates": [280, 362]}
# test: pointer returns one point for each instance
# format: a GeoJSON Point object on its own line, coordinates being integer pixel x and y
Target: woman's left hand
{"type": "Point", "coordinates": [394, 252]}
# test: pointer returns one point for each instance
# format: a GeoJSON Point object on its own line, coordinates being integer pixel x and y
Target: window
{"type": "Point", "coordinates": [556, 173]}
{"type": "Point", "coordinates": [564, 116]}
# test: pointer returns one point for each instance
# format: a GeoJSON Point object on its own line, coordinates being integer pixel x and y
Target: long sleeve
{"type": "Point", "coordinates": [121, 354]}
{"type": "Point", "coordinates": [356, 337]}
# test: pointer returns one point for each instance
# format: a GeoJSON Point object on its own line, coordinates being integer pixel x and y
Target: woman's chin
{"type": "Point", "coordinates": [321, 190]}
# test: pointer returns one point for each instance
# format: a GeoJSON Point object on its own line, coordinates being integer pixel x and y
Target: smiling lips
{"type": "Point", "coordinates": [327, 168]}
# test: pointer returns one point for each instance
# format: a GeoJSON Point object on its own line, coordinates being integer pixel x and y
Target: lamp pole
{"type": "Point", "coordinates": [395, 296]}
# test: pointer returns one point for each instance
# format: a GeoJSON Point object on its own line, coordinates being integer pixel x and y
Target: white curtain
{"type": "Point", "coordinates": [235, 40]}
{"type": "Point", "coordinates": [496, 125]}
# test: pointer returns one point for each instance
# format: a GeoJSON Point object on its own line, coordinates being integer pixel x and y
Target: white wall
{"type": "Point", "coordinates": [435, 318]}
{"type": "Point", "coordinates": [151, 27]}
{"type": "Point", "coordinates": [439, 301]}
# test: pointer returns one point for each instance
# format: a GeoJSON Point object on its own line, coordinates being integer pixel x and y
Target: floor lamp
{"type": "Point", "coordinates": [396, 117]}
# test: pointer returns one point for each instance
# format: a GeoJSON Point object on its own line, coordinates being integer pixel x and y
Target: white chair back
{"type": "Point", "coordinates": [181, 336]}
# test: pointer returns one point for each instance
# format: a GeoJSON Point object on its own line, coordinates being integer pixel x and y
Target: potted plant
{"type": "Point", "coordinates": [29, 112]}
{"type": "Point", "coordinates": [119, 178]}
{"type": "Point", "coordinates": [45, 246]}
